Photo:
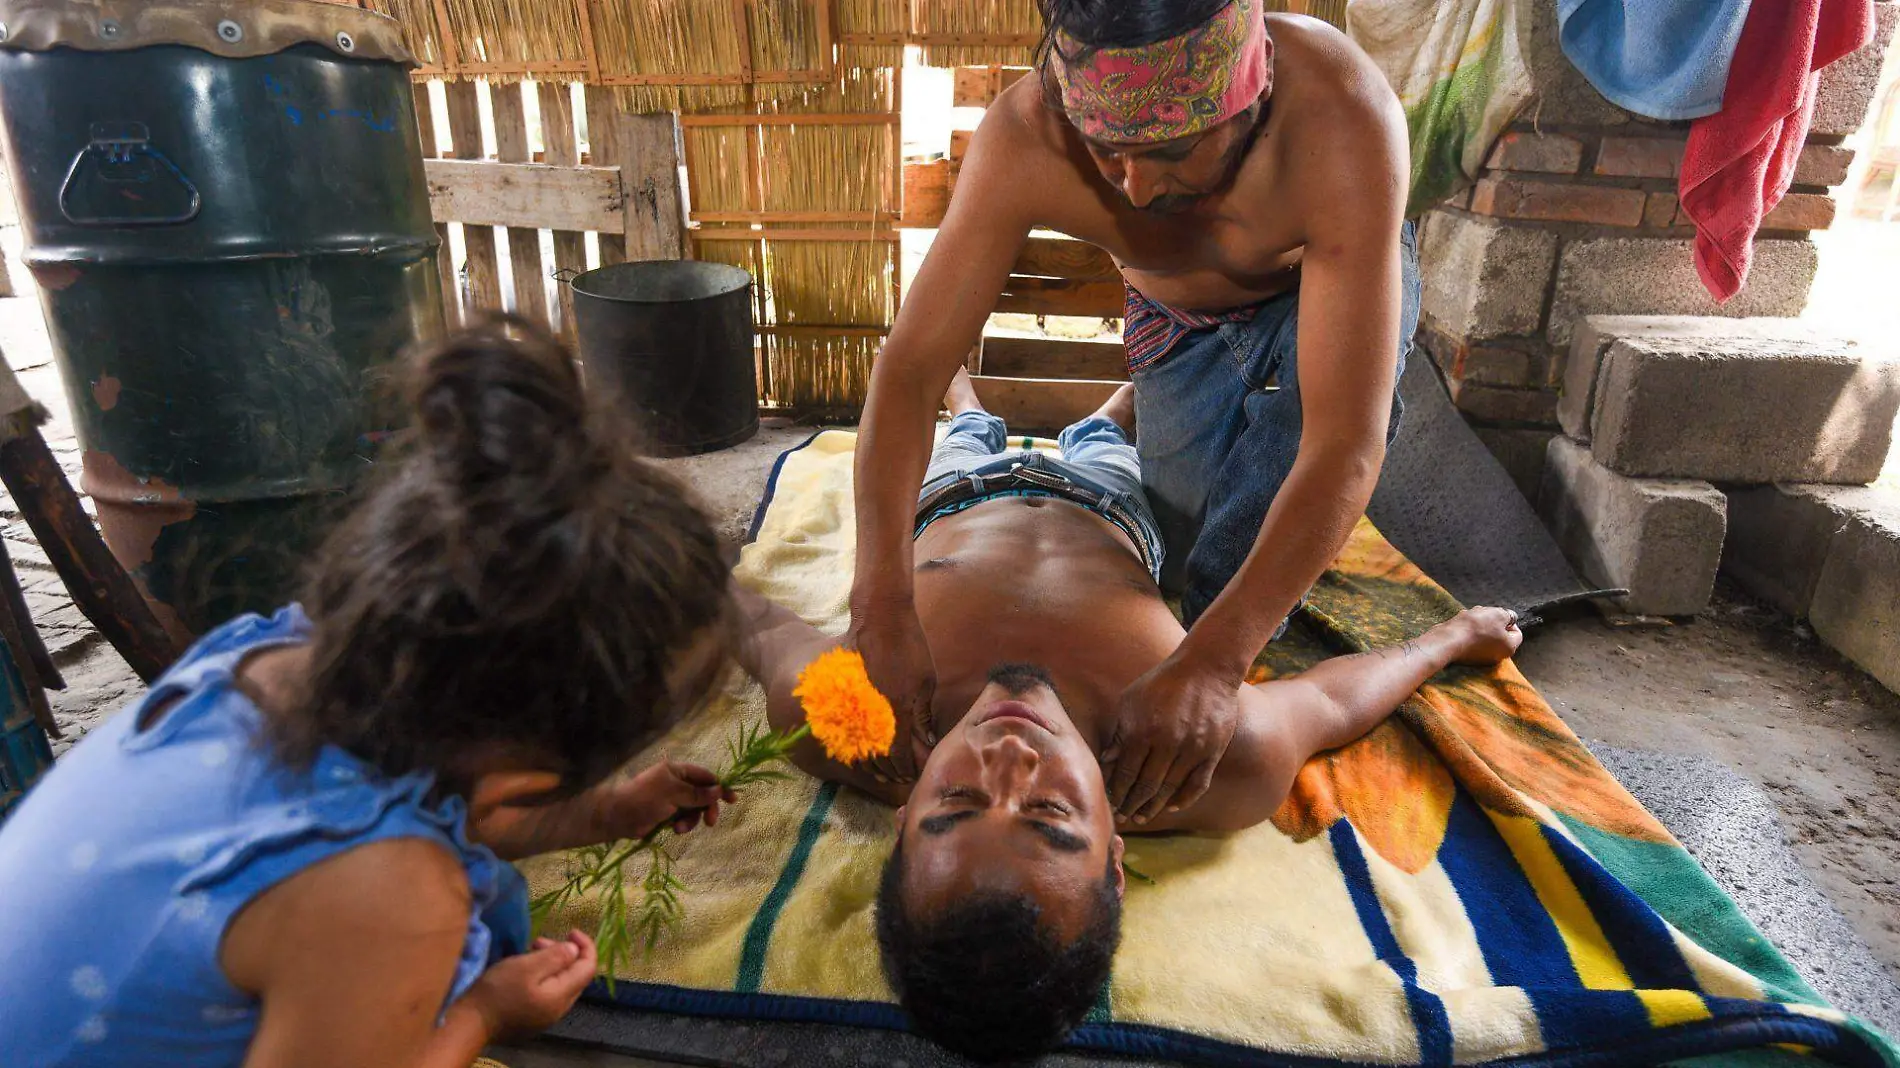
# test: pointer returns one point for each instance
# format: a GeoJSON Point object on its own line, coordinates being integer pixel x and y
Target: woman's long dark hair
{"type": "Point", "coordinates": [520, 583]}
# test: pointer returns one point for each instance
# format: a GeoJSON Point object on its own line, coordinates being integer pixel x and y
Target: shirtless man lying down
{"type": "Point", "coordinates": [1000, 907]}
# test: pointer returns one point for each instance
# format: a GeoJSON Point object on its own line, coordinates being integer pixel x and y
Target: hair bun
{"type": "Point", "coordinates": [500, 400]}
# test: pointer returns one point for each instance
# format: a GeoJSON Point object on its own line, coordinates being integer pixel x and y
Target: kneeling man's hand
{"type": "Point", "coordinates": [1172, 728]}
{"type": "Point", "coordinates": [897, 657]}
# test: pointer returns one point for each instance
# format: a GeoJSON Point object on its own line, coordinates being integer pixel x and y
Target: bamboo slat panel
{"type": "Point", "coordinates": [938, 23]}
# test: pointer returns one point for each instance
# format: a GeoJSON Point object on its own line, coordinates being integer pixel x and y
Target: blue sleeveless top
{"type": "Point", "coordinates": [121, 869]}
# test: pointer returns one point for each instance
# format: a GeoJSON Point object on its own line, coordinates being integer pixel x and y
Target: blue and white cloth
{"type": "Point", "coordinates": [1666, 59]}
{"type": "Point", "coordinates": [121, 870]}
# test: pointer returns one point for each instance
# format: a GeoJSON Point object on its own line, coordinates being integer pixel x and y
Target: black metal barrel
{"type": "Point", "coordinates": [225, 209]}
{"type": "Point", "coordinates": [673, 341]}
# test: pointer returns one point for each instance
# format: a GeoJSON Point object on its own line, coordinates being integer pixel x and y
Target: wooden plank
{"type": "Point", "coordinates": [603, 145]}
{"type": "Point", "coordinates": [978, 87]}
{"type": "Point", "coordinates": [1065, 257]}
{"type": "Point", "coordinates": [960, 145]}
{"type": "Point", "coordinates": [525, 195]}
{"type": "Point", "coordinates": [524, 242]}
{"type": "Point", "coordinates": [1062, 296]}
{"type": "Point", "coordinates": [98, 584]}
{"type": "Point", "coordinates": [444, 252]}
{"type": "Point", "coordinates": [650, 186]}
{"type": "Point", "coordinates": [478, 240]}
{"type": "Point", "coordinates": [1040, 404]}
{"type": "Point", "coordinates": [1054, 357]}
{"type": "Point", "coordinates": [926, 194]}
{"type": "Point", "coordinates": [562, 147]}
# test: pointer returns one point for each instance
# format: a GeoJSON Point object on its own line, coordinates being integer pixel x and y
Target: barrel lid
{"type": "Point", "coordinates": [236, 29]}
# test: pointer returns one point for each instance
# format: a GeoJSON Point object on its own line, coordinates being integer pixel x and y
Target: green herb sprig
{"type": "Point", "coordinates": [752, 758]}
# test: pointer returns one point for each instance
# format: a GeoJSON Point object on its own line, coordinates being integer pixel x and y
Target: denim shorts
{"type": "Point", "coordinates": [1098, 469]}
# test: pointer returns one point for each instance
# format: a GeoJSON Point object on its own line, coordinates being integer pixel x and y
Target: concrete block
{"type": "Point", "coordinates": [1520, 453]}
{"type": "Point", "coordinates": [1857, 600]}
{"type": "Point", "coordinates": [1659, 538]}
{"type": "Point", "coordinates": [1729, 408]}
{"type": "Point", "coordinates": [1593, 337]}
{"type": "Point", "coordinates": [1482, 278]}
{"type": "Point", "coordinates": [1848, 84]}
{"type": "Point", "coordinates": [1779, 538]}
{"type": "Point", "coordinates": [1656, 276]}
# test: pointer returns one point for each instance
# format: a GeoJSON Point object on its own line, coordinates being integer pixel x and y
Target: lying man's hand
{"type": "Point", "coordinates": [1172, 727]}
{"type": "Point", "coordinates": [897, 658]}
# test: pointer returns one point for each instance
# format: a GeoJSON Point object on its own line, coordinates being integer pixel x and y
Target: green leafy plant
{"type": "Point", "coordinates": [755, 756]}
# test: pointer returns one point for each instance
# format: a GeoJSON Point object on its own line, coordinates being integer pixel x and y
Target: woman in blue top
{"type": "Point", "coordinates": [291, 851]}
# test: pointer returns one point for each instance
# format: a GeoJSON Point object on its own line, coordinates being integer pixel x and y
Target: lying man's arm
{"type": "Point", "coordinates": [776, 648]}
{"type": "Point", "coordinates": [1286, 722]}
{"type": "Point", "coordinates": [941, 320]}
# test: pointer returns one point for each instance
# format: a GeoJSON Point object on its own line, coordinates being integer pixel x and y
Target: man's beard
{"type": "Point", "coordinates": [1172, 203]}
{"type": "Point", "coordinates": [1019, 679]}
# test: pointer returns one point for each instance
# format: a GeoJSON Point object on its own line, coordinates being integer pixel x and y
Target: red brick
{"type": "Point", "coordinates": [1801, 211]}
{"type": "Point", "coordinates": [1517, 198]}
{"type": "Point", "coordinates": [1542, 153]}
{"type": "Point", "coordinates": [1639, 157]}
{"type": "Point", "coordinates": [1823, 165]}
{"type": "Point", "coordinates": [1659, 212]}
{"type": "Point", "coordinates": [1494, 365]}
{"type": "Point", "coordinates": [1502, 405]}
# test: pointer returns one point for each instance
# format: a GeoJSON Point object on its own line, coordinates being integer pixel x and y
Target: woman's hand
{"type": "Point", "coordinates": [529, 993]}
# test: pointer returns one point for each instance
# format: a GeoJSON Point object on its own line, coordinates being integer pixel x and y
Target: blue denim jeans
{"type": "Point", "coordinates": [1217, 441]}
{"type": "Point", "coordinates": [1096, 456]}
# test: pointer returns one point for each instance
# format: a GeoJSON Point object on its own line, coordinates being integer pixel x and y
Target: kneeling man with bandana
{"type": "Point", "coordinates": [1248, 173]}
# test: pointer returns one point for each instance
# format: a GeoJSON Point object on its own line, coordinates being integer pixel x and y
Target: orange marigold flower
{"type": "Point", "coordinates": [846, 713]}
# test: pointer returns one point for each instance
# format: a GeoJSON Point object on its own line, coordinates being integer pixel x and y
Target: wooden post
{"type": "Point", "coordinates": [99, 586]}
{"type": "Point", "coordinates": [563, 150]}
{"type": "Point", "coordinates": [37, 672]}
{"type": "Point", "coordinates": [465, 129]}
{"type": "Point", "coordinates": [603, 141]}
{"type": "Point", "coordinates": [445, 253]}
{"type": "Point", "coordinates": [524, 244]}
{"type": "Point", "coordinates": [650, 179]}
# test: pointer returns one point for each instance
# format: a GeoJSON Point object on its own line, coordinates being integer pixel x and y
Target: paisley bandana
{"type": "Point", "coordinates": [1174, 88]}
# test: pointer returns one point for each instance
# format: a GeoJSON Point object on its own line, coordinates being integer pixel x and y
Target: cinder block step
{"type": "Point", "coordinates": [1779, 538]}
{"type": "Point", "coordinates": [1753, 405]}
{"type": "Point", "coordinates": [1857, 599]}
{"type": "Point", "coordinates": [1659, 538]}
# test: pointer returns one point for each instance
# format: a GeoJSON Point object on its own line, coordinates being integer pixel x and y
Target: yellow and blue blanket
{"type": "Point", "coordinates": [1464, 885]}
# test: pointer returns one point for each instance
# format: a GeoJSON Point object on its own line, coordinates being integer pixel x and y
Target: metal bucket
{"type": "Point", "coordinates": [232, 238]}
{"type": "Point", "coordinates": [673, 340]}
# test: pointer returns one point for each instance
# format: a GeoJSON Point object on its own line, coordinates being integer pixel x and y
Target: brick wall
{"type": "Point", "coordinates": [1575, 214]}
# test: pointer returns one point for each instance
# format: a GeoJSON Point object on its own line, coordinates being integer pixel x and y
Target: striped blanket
{"type": "Point", "coordinates": [1465, 885]}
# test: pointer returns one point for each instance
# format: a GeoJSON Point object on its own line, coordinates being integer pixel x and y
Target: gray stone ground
{"type": "Point", "coordinates": [1743, 687]}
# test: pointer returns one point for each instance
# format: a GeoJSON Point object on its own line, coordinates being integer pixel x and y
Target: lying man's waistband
{"type": "Point", "coordinates": [1029, 474]}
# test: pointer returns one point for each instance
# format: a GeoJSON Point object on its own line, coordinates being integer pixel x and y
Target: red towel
{"type": "Point", "coordinates": [1740, 160]}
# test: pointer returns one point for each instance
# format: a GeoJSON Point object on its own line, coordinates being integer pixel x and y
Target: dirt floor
{"type": "Point", "coordinates": [1740, 685]}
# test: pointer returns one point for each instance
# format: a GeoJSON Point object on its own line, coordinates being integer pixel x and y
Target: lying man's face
{"type": "Point", "coordinates": [1000, 908]}
{"type": "Point", "coordinates": [1011, 800]}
